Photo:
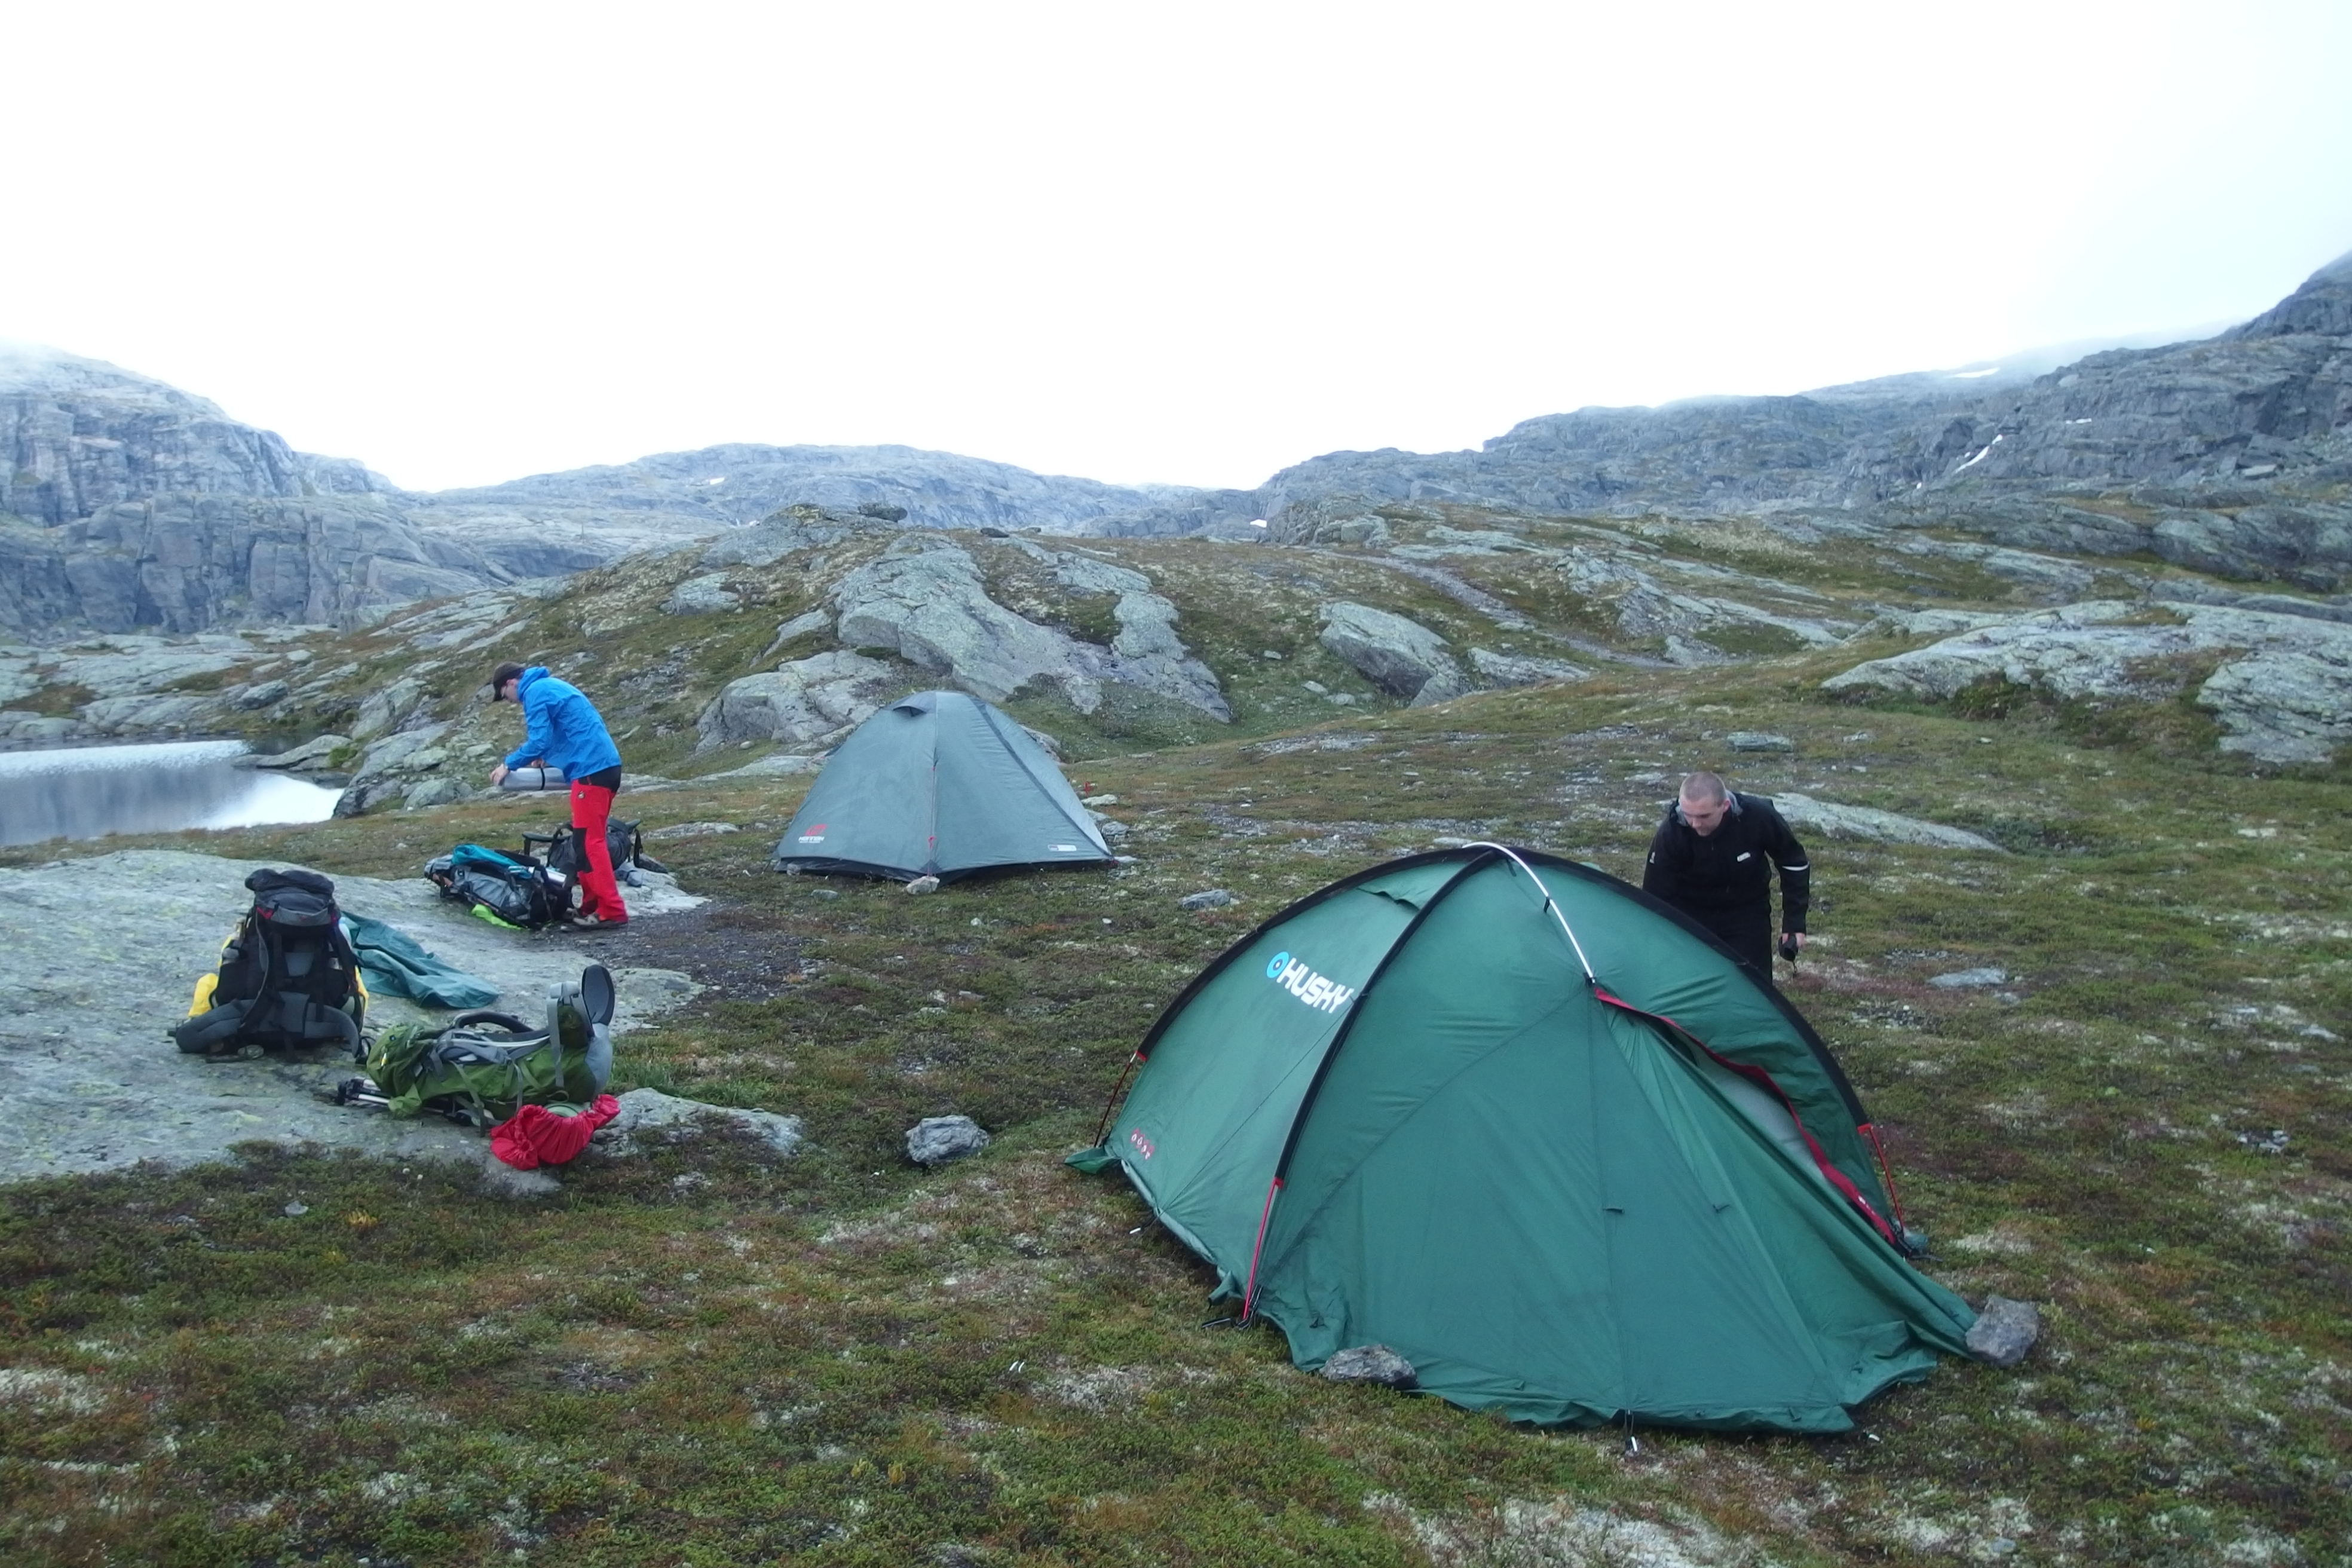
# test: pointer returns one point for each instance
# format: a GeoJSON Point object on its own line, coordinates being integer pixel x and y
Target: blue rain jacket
{"type": "Point", "coordinates": [565, 728]}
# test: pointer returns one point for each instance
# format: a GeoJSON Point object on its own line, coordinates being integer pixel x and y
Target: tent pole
{"type": "Point", "coordinates": [1549, 908]}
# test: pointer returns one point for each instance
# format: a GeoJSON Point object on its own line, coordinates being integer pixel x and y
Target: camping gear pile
{"type": "Point", "coordinates": [482, 1067]}
{"type": "Point", "coordinates": [289, 975]}
{"type": "Point", "coordinates": [1542, 1136]}
{"type": "Point", "coordinates": [539, 887]}
{"type": "Point", "coordinates": [938, 784]}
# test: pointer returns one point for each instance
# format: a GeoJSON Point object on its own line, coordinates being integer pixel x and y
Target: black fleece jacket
{"type": "Point", "coordinates": [1728, 872]}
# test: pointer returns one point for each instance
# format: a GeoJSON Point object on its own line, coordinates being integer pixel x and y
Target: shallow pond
{"type": "Point", "coordinates": [86, 792]}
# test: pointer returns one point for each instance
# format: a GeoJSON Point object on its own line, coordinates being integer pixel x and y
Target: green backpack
{"type": "Point", "coordinates": [481, 1067]}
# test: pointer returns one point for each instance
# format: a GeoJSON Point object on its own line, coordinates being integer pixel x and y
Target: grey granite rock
{"type": "Point", "coordinates": [937, 1140]}
{"type": "Point", "coordinates": [502, 1181]}
{"type": "Point", "coordinates": [1147, 652]}
{"type": "Point", "coordinates": [2004, 1330]}
{"type": "Point", "coordinates": [389, 768]}
{"type": "Point", "coordinates": [1208, 899]}
{"type": "Point", "coordinates": [2285, 695]}
{"type": "Point", "coordinates": [1516, 670]}
{"type": "Point", "coordinates": [1370, 1364]}
{"type": "Point", "coordinates": [436, 791]}
{"type": "Point", "coordinates": [1811, 816]}
{"type": "Point", "coordinates": [1402, 657]}
{"type": "Point", "coordinates": [386, 708]}
{"type": "Point", "coordinates": [704, 595]}
{"type": "Point", "coordinates": [801, 626]}
{"type": "Point", "coordinates": [267, 694]}
{"type": "Point", "coordinates": [1756, 740]}
{"type": "Point", "coordinates": [648, 1116]}
{"type": "Point", "coordinates": [924, 600]}
{"type": "Point", "coordinates": [310, 756]}
{"type": "Point", "coordinates": [812, 701]}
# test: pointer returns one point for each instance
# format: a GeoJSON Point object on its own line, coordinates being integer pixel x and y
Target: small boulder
{"type": "Point", "coordinates": [1370, 1364]}
{"type": "Point", "coordinates": [1212, 898]}
{"type": "Point", "coordinates": [648, 1114]}
{"type": "Point", "coordinates": [2004, 1330]}
{"type": "Point", "coordinates": [703, 595]}
{"type": "Point", "coordinates": [1402, 657]}
{"type": "Point", "coordinates": [1756, 740]}
{"type": "Point", "coordinates": [263, 695]}
{"type": "Point", "coordinates": [500, 1180]}
{"type": "Point", "coordinates": [924, 885]}
{"type": "Point", "coordinates": [936, 1140]}
{"type": "Point", "coordinates": [436, 791]}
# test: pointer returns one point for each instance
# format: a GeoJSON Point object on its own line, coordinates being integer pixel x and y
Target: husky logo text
{"type": "Point", "coordinates": [1316, 990]}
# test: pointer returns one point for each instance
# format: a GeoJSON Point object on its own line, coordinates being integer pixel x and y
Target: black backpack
{"type": "Point", "coordinates": [499, 887]}
{"type": "Point", "coordinates": [562, 850]}
{"type": "Point", "coordinates": [286, 976]}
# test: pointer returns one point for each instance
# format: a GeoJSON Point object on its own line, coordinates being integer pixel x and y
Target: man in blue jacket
{"type": "Point", "coordinates": [564, 731]}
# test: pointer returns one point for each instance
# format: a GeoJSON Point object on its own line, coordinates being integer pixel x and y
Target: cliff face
{"type": "Point", "coordinates": [127, 504]}
{"type": "Point", "coordinates": [78, 436]}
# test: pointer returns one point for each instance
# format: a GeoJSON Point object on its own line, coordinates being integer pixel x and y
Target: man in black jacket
{"type": "Point", "coordinates": [1713, 857]}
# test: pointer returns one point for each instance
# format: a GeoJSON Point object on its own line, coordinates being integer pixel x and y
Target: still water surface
{"type": "Point", "coordinates": [89, 791]}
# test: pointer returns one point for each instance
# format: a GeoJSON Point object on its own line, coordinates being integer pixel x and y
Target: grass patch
{"type": "Point", "coordinates": [710, 1356]}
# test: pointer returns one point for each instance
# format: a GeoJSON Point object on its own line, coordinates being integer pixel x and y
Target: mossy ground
{"type": "Point", "coordinates": [711, 1356]}
{"type": "Point", "coordinates": [714, 1357]}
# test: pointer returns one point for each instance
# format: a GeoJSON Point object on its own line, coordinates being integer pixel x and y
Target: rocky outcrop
{"type": "Point", "coordinates": [924, 599]}
{"type": "Point", "coordinates": [1802, 810]}
{"type": "Point", "coordinates": [391, 768]}
{"type": "Point", "coordinates": [1147, 651]}
{"type": "Point", "coordinates": [2282, 690]}
{"type": "Point", "coordinates": [1402, 657]}
{"type": "Point", "coordinates": [79, 437]}
{"type": "Point", "coordinates": [812, 701]}
{"type": "Point", "coordinates": [1515, 670]}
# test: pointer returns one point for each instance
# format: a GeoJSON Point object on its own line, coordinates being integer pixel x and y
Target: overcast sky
{"type": "Point", "coordinates": [1183, 243]}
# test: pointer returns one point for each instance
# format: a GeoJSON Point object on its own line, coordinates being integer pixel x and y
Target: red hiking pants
{"type": "Point", "coordinates": [600, 893]}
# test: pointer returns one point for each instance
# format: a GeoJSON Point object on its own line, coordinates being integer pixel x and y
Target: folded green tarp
{"type": "Point", "coordinates": [394, 963]}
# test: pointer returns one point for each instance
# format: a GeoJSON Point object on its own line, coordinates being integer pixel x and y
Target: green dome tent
{"type": "Point", "coordinates": [939, 784]}
{"type": "Point", "coordinates": [1542, 1136]}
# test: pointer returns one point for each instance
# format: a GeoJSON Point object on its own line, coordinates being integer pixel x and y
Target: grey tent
{"type": "Point", "coordinates": [939, 784]}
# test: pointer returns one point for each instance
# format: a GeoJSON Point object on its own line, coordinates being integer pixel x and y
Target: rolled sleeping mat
{"type": "Point", "coordinates": [534, 778]}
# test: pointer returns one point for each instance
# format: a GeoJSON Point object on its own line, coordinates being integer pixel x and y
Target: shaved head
{"type": "Point", "coordinates": [1704, 789]}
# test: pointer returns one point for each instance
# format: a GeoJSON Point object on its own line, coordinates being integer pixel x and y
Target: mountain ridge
{"type": "Point", "coordinates": [129, 504]}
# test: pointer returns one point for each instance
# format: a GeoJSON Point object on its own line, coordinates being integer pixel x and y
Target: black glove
{"type": "Point", "coordinates": [1789, 948]}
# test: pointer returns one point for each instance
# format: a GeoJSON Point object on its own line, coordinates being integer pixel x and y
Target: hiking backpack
{"type": "Point", "coordinates": [500, 888]}
{"type": "Point", "coordinates": [481, 1067]}
{"type": "Point", "coordinates": [286, 975]}
{"type": "Point", "coordinates": [562, 850]}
